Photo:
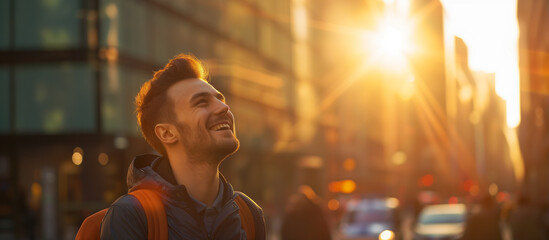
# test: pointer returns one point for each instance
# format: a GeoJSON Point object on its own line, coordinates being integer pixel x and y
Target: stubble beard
{"type": "Point", "coordinates": [202, 147]}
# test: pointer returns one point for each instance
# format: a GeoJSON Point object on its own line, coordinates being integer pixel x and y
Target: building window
{"type": "Point", "coordinates": [54, 98]}
{"type": "Point", "coordinates": [119, 86]}
{"type": "Point", "coordinates": [126, 25]}
{"type": "Point", "coordinates": [4, 24]}
{"type": "Point", "coordinates": [47, 24]}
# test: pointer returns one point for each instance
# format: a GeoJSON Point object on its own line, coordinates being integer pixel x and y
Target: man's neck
{"type": "Point", "coordinates": [201, 179]}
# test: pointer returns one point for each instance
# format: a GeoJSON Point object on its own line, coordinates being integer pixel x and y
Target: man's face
{"type": "Point", "coordinates": [203, 119]}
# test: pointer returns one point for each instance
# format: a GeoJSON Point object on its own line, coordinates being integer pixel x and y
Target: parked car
{"type": "Point", "coordinates": [441, 222]}
{"type": "Point", "coordinates": [371, 218]}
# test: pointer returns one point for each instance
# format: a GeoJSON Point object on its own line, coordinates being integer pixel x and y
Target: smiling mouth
{"type": "Point", "coordinates": [220, 127]}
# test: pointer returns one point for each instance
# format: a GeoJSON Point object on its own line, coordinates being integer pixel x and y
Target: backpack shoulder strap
{"type": "Point", "coordinates": [251, 217]}
{"type": "Point", "coordinates": [91, 227]}
{"type": "Point", "coordinates": [157, 223]}
{"type": "Point", "coordinates": [246, 217]}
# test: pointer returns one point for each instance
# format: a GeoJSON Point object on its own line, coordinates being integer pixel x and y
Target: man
{"type": "Point", "coordinates": [188, 121]}
{"type": "Point", "coordinates": [304, 217]}
{"type": "Point", "coordinates": [525, 220]}
{"type": "Point", "coordinates": [484, 224]}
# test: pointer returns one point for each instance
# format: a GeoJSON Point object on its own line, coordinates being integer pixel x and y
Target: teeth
{"type": "Point", "coordinates": [220, 126]}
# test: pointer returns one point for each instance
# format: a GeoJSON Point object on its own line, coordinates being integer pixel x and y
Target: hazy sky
{"type": "Point", "coordinates": [490, 30]}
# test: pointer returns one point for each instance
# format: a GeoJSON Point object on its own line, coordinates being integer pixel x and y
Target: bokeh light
{"type": "Point", "coordinates": [77, 158]}
{"type": "Point", "coordinates": [103, 159]}
{"type": "Point", "coordinates": [333, 204]}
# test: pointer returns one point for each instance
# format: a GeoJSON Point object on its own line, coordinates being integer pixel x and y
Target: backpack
{"type": "Point", "coordinates": [156, 218]}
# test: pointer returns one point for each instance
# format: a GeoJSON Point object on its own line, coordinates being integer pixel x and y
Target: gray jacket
{"type": "Point", "coordinates": [126, 218]}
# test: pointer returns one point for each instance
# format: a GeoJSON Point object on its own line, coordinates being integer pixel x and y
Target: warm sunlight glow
{"type": "Point", "coordinates": [390, 43]}
{"type": "Point", "coordinates": [513, 109]}
{"type": "Point", "coordinates": [490, 30]}
{"type": "Point", "coordinates": [514, 150]}
{"type": "Point", "coordinates": [406, 91]}
{"type": "Point", "coordinates": [401, 6]}
{"type": "Point", "coordinates": [300, 23]}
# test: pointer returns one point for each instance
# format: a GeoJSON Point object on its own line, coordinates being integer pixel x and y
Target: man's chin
{"type": "Point", "coordinates": [230, 148]}
{"type": "Point", "coordinates": [226, 148]}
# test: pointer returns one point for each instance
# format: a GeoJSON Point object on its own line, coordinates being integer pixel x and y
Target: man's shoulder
{"type": "Point", "coordinates": [126, 201]}
{"type": "Point", "coordinates": [125, 219]}
{"type": "Point", "coordinates": [249, 201]}
{"type": "Point", "coordinates": [126, 206]}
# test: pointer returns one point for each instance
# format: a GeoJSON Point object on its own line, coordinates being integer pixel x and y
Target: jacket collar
{"type": "Point", "coordinates": [154, 172]}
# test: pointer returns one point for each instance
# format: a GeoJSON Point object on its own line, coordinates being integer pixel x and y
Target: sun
{"type": "Point", "coordinates": [389, 43]}
{"type": "Point", "coordinates": [390, 40]}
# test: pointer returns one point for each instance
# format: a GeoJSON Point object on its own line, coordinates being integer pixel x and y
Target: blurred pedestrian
{"type": "Point", "coordinates": [304, 217]}
{"type": "Point", "coordinates": [189, 123]}
{"type": "Point", "coordinates": [484, 224]}
{"type": "Point", "coordinates": [526, 220]}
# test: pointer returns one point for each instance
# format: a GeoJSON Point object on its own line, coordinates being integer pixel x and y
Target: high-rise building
{"type": "Point", "coordinates": [534, 89]}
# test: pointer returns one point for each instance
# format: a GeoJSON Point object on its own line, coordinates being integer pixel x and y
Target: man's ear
{"type": "Point", "coordinates": [166, 133]}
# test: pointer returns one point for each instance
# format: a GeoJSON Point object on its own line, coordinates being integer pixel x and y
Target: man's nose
{"type": "Point", "coordinates": [222, 107]}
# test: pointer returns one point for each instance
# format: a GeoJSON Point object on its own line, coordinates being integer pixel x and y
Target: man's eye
{"type": "Point", "coordinates": [203, 101]}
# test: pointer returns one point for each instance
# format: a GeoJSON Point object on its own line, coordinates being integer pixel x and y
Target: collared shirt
{"type": "Point", "coordinates": [209, 214]}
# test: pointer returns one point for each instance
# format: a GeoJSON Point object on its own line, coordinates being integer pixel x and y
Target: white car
{"type": "Point", "coordinates": [371, 219]}
{"type": "Point", "coordinates": [441, 222]}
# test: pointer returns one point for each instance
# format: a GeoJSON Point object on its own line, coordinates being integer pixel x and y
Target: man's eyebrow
{"type": "Point", "coordinates": [217, 95]}
{"type": "Point", "coordinates": [199, 95]}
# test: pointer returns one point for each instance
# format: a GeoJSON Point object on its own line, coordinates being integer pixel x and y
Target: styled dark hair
{"type": "Point", "coordinates": [152, 104]}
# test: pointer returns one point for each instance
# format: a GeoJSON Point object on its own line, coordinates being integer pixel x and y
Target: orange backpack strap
{"type": "Point", "coordinates": [91, 227]}
{"type": "Point", "coordinates": [246, 217]}
{"type": "Point", "coordinates": [251, 217]}
{"type": "Point", "coordinates": [154, 209]}
{"type": "Point", "coordinates": [157, 223]}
